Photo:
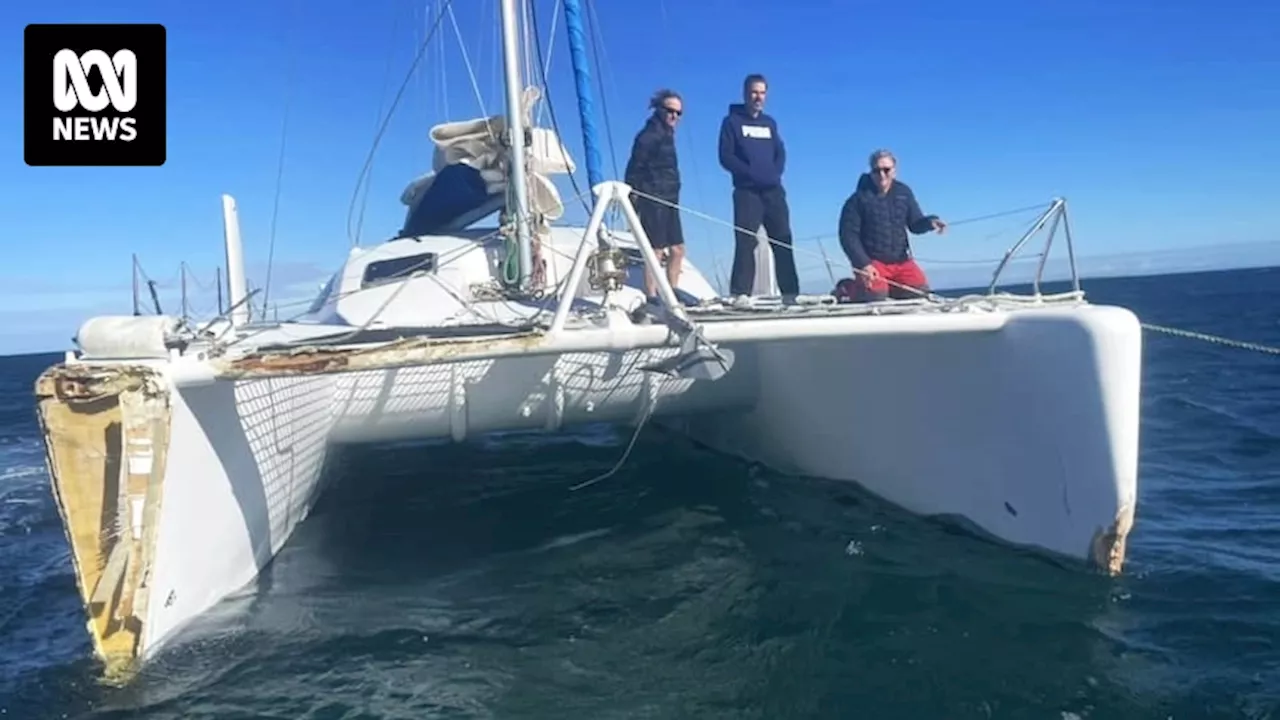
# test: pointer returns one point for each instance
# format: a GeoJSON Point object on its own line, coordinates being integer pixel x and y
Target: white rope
{"type": "Point", "coordinates": [989, 236]}
{"type": "Point", "coordinates": [651, 406]}
{"type": "Point", "coordinates": [621, 460]}
{"type": "Point", "coordinates": [1216, 339]}
{"type": "Point", "coordinates": [989, 261]}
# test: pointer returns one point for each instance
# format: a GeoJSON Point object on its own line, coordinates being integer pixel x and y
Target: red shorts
{"type": "Point", "coordinates": [904, 273]}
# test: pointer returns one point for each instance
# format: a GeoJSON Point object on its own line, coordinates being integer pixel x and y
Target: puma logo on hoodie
{"type": "Point", "coordinates": [751, 149]}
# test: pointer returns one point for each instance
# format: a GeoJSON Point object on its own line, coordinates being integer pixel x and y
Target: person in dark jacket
{"type": "Point", "coordinates": [751, 150]}
{"type": "Point", "coordinates": [652, 170]}
{"type": "Point", "coordinates": [873, 234]}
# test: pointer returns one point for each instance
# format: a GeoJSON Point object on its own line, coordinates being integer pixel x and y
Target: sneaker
{"type": "Point", "coordinates": [641, 316]}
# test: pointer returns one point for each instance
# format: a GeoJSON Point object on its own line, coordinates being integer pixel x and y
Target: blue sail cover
{"type": "Point", "coordinates": [582, 83]}
{"type": "Point", "coordinates": [468, 179]}
{"type": "Point", "coordinates": [457, 190]}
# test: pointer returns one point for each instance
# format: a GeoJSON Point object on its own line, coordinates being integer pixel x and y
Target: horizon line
{"type": "Point", "coordinates": [1271, 265]}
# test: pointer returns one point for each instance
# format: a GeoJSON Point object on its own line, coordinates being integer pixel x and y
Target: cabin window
{"type": "Point", "coordinates": [397, 268]}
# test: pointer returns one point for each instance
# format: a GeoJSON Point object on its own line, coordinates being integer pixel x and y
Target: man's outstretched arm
{"type": "Point", "coordinates": [917, 221]}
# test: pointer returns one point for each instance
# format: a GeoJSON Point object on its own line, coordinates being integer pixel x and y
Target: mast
{"type": "Point", "coordinates": [582, 84]}
{"type": "Point", "coordinates": [137, 304]}
{"type": "Point", "coordinates": [237, 290]}
{"type": "Point", "coordinates": [516, 180]}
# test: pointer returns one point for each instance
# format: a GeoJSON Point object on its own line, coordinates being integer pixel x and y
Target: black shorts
{"type": "Point", "coordinates": [661, 223]}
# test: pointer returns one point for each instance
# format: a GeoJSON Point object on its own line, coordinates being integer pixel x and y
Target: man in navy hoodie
{"type": "Point", "coordinates": [752, 151]}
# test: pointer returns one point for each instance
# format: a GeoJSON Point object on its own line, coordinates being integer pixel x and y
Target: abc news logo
{"type": "Point", "coordinates": [71, 91]}
{"type": "Point", "coordinates": [107, 105]}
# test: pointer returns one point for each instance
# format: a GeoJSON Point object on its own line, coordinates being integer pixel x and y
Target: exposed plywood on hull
{"type": "Point", "coordinates": [106, 439]}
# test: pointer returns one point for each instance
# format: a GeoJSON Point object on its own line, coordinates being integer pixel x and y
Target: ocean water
{"type": "Point", "coordinates": [468, 581]}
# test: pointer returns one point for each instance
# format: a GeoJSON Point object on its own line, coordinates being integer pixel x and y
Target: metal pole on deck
{"type": "Point", "coordinates": [516, 138]}
{"type": "Point", "coordinates": [182, 273]}
{"type": "Point", "coordinates": [136, 299]}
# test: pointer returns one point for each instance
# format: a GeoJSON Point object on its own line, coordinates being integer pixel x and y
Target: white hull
{"type": "Point", "coordinates": [1028, 431]}
{"type": "Point", "coordinates": [1022, 422]}
{"type": "Point", "coordinates": [215, 479]}
{"type": "Point", "coordinates": [183, 460]}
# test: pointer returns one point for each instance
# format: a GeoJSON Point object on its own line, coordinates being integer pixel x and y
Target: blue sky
{"type": "Point", "coordinates": [1156, 119]}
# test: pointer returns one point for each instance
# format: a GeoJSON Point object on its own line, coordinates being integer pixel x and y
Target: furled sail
{"type": "Point", "coordinates": [469, 173]}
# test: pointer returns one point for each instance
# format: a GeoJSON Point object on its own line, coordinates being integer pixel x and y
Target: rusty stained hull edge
{"type": "Point", "coordinates": [106, 433]}
{"type": "Point", "coordinates": [1109, 544]}
{"type": "Point", "coordinates": [312, 360]}
{"type": "Point", "coordinates": [420, 351]}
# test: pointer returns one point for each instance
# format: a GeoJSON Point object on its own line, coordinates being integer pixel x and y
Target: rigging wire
{"type": "Point", "coordinates": [594, 36]}
{"type": "Point", "coordinates": [551, 108]}
{"type": "Point", "coordinates": [444, 77]}
{"type": "Point", "coordinates": [672, 64]}
{"type": "Point", "coordinates": [543, 68]}
{"type": "Point", "coordinates": [551, 46]}
{"type": "Point", "coordinates": [290, 71]}
{"type": "Point", "coordinates": [456, 254]}
{"type": "Point", "coordinates": [471, 74]}
{"type": "Point", "coordinates": [798, 249]}
{"type": "Point", "coordinates": [444, 259]}
{"type": "Point", "coordinates": [382, 97]}
{"type": "Point", "coordinates": [382, 129]}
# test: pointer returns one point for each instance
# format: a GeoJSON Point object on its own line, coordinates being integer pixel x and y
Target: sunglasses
{"type": "Point", "coordinates": [672, 111]}
{"type": "Point", "coordinates": [882, 170]}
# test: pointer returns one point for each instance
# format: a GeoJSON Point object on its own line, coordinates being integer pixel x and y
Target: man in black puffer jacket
{"type": "Point", "coordinates": [873, 233]}
{"type": "Point", "coordinates": [653, 170]}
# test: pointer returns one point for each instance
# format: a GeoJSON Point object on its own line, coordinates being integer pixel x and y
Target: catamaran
{"type": "Point", "coordinates": [182, 456]}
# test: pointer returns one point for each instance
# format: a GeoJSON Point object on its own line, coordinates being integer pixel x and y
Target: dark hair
{"type": "Point", "coordinates": [753, 78]}
{"type": "Point", "coordinates": [655, 102]}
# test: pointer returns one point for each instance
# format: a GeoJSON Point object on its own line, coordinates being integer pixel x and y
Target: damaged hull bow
{"type": "Point", "coordinates": [107, 439]}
